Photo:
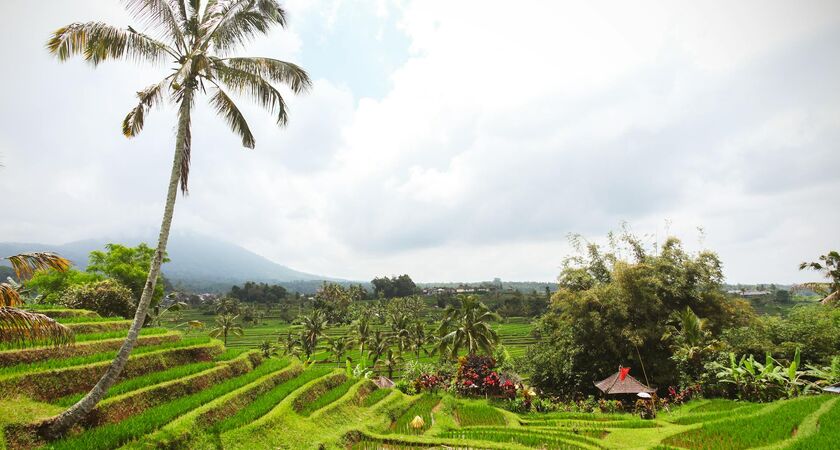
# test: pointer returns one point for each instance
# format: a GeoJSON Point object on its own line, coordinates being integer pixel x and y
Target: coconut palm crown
{"type": "Point", "coordinates": [197, 37]}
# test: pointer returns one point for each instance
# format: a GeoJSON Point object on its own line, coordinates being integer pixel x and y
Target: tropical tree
{"type": "Point", "coordinates": [19, 327]}
{"type": "Point", "coordinates": [200, 36]}
{"type": "Point", "coordinates": [361, 328]}
{"type": "Point", "coordinates": [690, 342]}
{"type": "Point", "coordinates": [313, 328]}
{"type": "Point", "coordinates": [468, 326]}
{"type": "Point", "coordinates": [338, 347]}
{"type": "Point", "coordinates": [417, 337]}
{"type": "Point", "coordinates": [225, 326]}
{"type": "Point", "coordinates": [157, 314]}
{"type": "Point", "coordinates": [399, 329]}
{"type": "Point", "coordinates": [380, 344]}
{"type": "Point", "coordinates": [267, 348]}
{"type": "Point", "coordinates": [391, 361]}
{"type": "Point", "coordinates": [829, 265]}
{"type": "Point", "coordinates": [292, 344]}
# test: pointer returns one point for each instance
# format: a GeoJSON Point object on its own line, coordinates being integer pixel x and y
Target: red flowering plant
{"type": "Point", "coordinates": [430, 382]}
{"type": "Point", "coordinates": [477, 376]}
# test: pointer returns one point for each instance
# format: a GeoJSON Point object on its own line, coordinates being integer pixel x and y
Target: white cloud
{"type": "Point", "coordinates": [507, 127]}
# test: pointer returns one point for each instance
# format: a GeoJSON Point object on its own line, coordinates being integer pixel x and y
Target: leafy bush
{"type": "Point", "coordinates": [107, 297]}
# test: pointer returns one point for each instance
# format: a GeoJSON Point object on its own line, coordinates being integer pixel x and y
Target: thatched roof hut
{"type": "Point", "coordinates": [629, 385]}
{"type": "Point", "coordinates": [383, 382]}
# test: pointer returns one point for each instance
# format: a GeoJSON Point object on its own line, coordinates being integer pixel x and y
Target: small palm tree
{"type": "Point", "coordinates": [225, 326]}
{"type": "Point", "coordinates": [829, 265]}
{"type": "Point", "coordinates": [21, 327]}
{"type": "Point", "coordinates": [361, 328]}
{"type": "Point", "coordinates": [313, 328]}
{"type": "Point", "coordinates": [391, 362]}
{"type": "Point", "coordinates": [267, 348]}
{"type": "Point", "coordinates": [338, 347]}
{"type": "Point", "coordinates": [292, 344]}
{"type": "Point", "coordinates": [380, 344]}
{"type": "Point", "coordinates": [417, 337]}
{"type": "Point", "coordinates": [399, 329]}
{"type": "Point", "coordinates": [198, 38]}
{"type": "Point", "coordinates": [157, 314]}
{"type": "Point", "coordinates": [467, 327]}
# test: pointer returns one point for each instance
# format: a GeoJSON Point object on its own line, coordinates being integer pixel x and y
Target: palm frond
{"type": "Point", "coordinates": [274, 70]}
{"type": "Point", "coordinates": [98, 41]}
{"type": "Point", "coordinates": [159, 14]}
{"type": "Point", "coordinates": [25, 328]}
{"type": "Point", "coordinates": [26, 264]}
{"type": "Point", "coordinates": [184, 123]}
{"type": "Point", "coordinates": [231, 24]}
{"type": "Point", "coordinates": [227, 109]}
{"type": "Point", "coordinates": [149, 98]}
{"type": "Point", "coordinates": [9, 295]}
{"type": "Point", "coordinates": [254, 86]}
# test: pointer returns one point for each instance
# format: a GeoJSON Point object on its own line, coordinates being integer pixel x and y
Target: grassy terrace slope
{"type": "Point", "coordinates": [187, 392]}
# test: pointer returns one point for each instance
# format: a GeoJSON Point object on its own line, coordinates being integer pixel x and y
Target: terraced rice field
{"type": "Point", "coordinates": [515, 334]}
{"type": "Point", "coordinates": [189, 392]}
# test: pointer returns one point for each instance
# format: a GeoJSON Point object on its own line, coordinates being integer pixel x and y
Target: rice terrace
{"type": "Point", "coordinates": [528, 225]}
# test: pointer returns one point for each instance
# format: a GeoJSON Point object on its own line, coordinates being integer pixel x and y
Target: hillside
{"type": "Point", "coordinates": [197, 262]}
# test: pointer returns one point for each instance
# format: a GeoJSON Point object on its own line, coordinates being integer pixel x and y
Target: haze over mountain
{"type": "Point", "coordinates": [196, 261]}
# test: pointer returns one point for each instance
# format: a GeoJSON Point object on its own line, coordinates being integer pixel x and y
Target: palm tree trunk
{"type": "Point", "coordinates": [56, 426]}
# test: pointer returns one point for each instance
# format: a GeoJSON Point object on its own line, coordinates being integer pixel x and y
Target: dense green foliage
{"type": "Point", "coordinates": [108, 298]}
{"type": "Point", "coordinates": [390, 287]}
{"type": "Point", "coordinates": [262, 293]}
{"type": "Point", "coordinates": [611, 310]}
{"type": "Point", "coordinates": [127, 265]}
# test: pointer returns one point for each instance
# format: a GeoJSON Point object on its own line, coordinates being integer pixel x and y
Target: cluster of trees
{"type": "Point", "coordinates": [391, 287]}
{"type": "Point", "coordinates": [110, 285]}
{"type": "Point", "coordinates": [261, 293]}
{"type": "Point", "coordinates": [663, 312]}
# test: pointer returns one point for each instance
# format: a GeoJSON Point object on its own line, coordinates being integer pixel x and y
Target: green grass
{"type": "Point", "coordinates": [267, 401]}
{"type": "Point", "coordinates": [94, 358]}
{"type": "Point", "coordinates": [375, 397]}
{"type": "Point", "coordinates": [717, 405]}
{"type": "Point", "coordinates": [700, 417]}
{"type": "Point", "coordinates": [89, 337]}
{"type": "Point", "coordinates": [470, 414]}
{"type": "Point", "coordinates": [530, 438]}
{"type": "Point", "coordinates": [143, 381]}
{"type": "Point", "coordinates": [328, 397]}
{"type": "Point", "coordinates": [827, 436]}
{"type": "Point", "coordinates": [421, 407]}
{"type": "Point", "coordinates": [86, 319]}
{"type": "Point", "coordinates": [114, 435]}
{"type": "Point", "coordinates": [752, 431]}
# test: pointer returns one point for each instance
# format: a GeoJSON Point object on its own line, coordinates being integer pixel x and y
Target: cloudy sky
{"type": "Point", "coordinates": [456, 140]}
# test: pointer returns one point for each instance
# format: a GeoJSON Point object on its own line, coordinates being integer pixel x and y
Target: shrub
{"type": "Point", "coordinates": [107, 297]}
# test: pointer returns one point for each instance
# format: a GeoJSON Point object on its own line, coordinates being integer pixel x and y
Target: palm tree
{"type": "Point", "coordinates": [19, 327]}
{"type": "Point", "coordinates": [829, 265]}
{"type": "Point", "coordinates": [691, 338]}
{"type": "Point", "coordinates": [391, 362]}
{"type": "Point", "coordinates": [226, 325]}
{"type": "Point", "coordinates": [380, 344]}
{"type": "Point", "coordinates": [467, 327]}
{"type": "Point", "coordinates": [313, 328]}
{"type": "Point", "coordinates": [417, 337]}
{"type": "Point", "coordinates": [338, 347]}
{"type": "Point", "coordinates": [200, 37]}
{"type": "Point", "coordinates": [399, 328]}
{"type": "Point", "coordinates": [292, 345]}
{"type": "Point", "coordinates": [157, 313]}
{"type": "Point", "coordinates": [361, 328]}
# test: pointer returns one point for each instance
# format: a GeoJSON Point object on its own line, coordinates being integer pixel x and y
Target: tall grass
{"type": "Point", "coordinates": [269, 400]}
{"type": "Point", "coordinates": [421, 407]}
{"type": "Point", "coordinates": [375, 397]}
{"type": "Point", "coordinates": [96, 357]}
{"type": "Point", "coordinates": [88, 337]}
{"type": "Point", "coordinates": [143, 381]}
{"type": "Point", "coordinates": [478, 414]}
{"type": "Point", "coordinates": [328, 397]}
{"type": "Point", "coordinates": [827, 436]}
{"type": "Point", "coordinates": [115, 435]}
{"type": "Point", "coordinates": [523, 437]}
{"type": "Point", "coordinates": [752, 431]}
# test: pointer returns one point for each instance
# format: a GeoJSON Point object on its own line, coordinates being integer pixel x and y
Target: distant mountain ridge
{"type": "Point", "coordinates": [196, 261]}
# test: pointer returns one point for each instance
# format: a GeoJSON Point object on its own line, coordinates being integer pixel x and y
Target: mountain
{"type": "Point", "coordinates": [197, 262]}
